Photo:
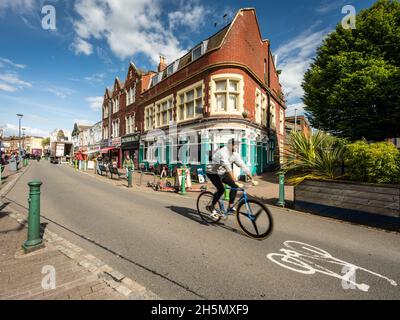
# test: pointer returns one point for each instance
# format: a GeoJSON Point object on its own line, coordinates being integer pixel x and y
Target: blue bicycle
{"type": "Point", "coordinates": [253, 217]}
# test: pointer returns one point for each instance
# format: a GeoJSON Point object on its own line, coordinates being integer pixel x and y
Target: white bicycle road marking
{"type": "Point", "coordinates": [305, 258]}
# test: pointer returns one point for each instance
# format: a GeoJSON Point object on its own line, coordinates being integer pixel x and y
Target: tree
{"type": "Point", "coordinates": [45, 142]}
{"type": "Point", "coordinates": [352, 89]}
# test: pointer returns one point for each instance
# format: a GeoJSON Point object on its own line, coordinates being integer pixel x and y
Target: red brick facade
{"type": "Point", "coordinates": [242, 51]}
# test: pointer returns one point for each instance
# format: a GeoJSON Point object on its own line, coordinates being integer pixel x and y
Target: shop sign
{"type": "Point", "coordinates": [130, 139]}
{"type": "Point", "coordinates": [116, 142]}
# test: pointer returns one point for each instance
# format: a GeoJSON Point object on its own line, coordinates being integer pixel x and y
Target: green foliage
{"type": "Point", "coordinates": [45, 142]}
{"type": "Point", "coordinates": [353, 87]}
{"type": "Point", "coordinates": [316, 156]}
{"type": "Point", "coordinates": [375, 163]}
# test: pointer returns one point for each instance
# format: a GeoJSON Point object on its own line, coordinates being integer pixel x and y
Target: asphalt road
{"type": "Point", "coordinates": [158, 240]}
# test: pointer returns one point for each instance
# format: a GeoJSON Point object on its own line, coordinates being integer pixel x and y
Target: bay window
{"type": "Point", "coordinates": [130, 124]}
{"type": "Point", "coordinates": [190, 102]}
{"type": "Point", "coordinates": [227, 93]}
{"type": "Point", "coordinates": [115, 128]}
{"type": "Point", "coordinates": [131, 95]}
{"type": "Point", "coordinates": [149, 118]}
{"type": "Point", "coordinates": [164, 112]}
{"type": "Point", "coordinates": [272, 116]}
{"type": "Point", "coordinates": [258, 106]}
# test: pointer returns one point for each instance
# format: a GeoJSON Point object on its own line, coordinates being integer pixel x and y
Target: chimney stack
{"type": "Point", "coordinates": [162, 65]}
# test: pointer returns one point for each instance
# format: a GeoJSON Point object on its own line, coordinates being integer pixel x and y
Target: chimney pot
{"type": "Point", "coordinates": [162, 65]}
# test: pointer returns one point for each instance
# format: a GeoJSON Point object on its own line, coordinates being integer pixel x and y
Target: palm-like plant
{"type": "Point", "coordinates": [314, 156]}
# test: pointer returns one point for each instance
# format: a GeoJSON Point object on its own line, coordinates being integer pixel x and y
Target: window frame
{"type": "Point", "coordinates": [200, 46]}
{"type": "Point", "coordinates": [194, 87]}
{"type": "Point", "coordinates": [148, 115]}
{"type": "Point", "coordinates": [158, 112]}
{"type": "Point", "coordinates": [227, 92]}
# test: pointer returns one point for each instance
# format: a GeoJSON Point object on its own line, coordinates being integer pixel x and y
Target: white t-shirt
{"type": "Point", "coordinates": [222, 161]}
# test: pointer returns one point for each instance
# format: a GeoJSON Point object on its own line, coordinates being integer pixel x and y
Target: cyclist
{"type": "Point", "coordinates": [220, 172]}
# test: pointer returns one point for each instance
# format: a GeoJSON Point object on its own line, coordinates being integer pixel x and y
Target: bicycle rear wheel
{"type": "Point", "coordinates": [203, 201]}
{"type": "Point", "coordinates": [254, 219]}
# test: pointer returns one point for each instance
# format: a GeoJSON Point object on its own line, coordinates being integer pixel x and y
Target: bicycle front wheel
{"type": "Point", "coordinates": [203, 202]}
{"type": "Point", "coordinates": [254, 219]}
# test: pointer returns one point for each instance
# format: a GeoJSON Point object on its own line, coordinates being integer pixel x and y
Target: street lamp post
{"type": "Point", "coordinates": [19, 115]}
{"type": "Point", "coordinates": [23, 138]}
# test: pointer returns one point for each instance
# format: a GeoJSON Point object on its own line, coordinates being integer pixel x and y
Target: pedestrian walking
{"type": "Point", "coordinates": [128, 164]}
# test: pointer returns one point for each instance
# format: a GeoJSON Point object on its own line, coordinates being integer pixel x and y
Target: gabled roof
{"type": "Point", "coordinates": [107, 94]}
{"type": "Point", "coordinates": [119, 83]}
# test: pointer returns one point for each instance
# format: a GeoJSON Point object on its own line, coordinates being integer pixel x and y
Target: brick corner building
{"type": "Point", "coordinates": [226, 86]}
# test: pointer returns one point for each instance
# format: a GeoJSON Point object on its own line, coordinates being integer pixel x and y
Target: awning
{"type": "Point", "coordinates": [105, 150]}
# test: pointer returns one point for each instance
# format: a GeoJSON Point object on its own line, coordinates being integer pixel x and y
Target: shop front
{"type": "Point", "coordinates": [130, 145]}
{"type": "Point", "coordinates": [110, 150]}
{"type": "Point", "coordinates": [195, 146]}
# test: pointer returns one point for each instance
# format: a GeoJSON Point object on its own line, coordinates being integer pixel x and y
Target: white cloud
{"type": "Point", "coordinates": [17, 5]}
{"type": "Point", "coordinates": [84, 122]}
{"type": "Point", "coordinates": [7, 87]}
{"type": "Point", "coordinates": [96, 77]}
{"type": "Point", "coordinates": [5, 61]}
{"type": "Point", "coordinates": [191, 15]}
{"type": "Point", "coordinates": [290, 111]}
{"type": "Point", "coordinates": [96, 103]}
{"type": "Point", "coordinates": [11, 82]}
{"type": "Point", "coordinates": [81, 46]}
{"type": "Point", "coordinates": [60, 92]}
{"type": "Point", "coordinates": [295, 58]}
{"type": "Point", "coordinates": [13, 130]}
{"type": "Point", "coordinates": [129, 27]}
{"type": "Point", "coordinates": [329, 5]}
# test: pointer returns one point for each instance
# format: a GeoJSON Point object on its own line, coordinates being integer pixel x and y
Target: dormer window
{"type": "Point", "coordinates": [170, 69]}
{"type": "Point", "coordinates": [197, 52]}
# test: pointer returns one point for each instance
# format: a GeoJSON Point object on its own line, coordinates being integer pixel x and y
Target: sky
{"type": "Point", "coordinates": [56, 77]}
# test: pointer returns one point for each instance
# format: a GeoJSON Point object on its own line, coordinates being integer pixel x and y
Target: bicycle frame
{"type": "Point", "coordinates": [243, 198]}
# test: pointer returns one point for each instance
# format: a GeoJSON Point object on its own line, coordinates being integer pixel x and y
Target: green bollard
{"type": "Point", "coordinates": [76, 164]}
{"type": "Point", "coordinates": [183, 186]}
{"type": "Point", "coordinates": [281, 201]}
{"type": "Point", "coordinates": [34, 241]}
{"type": "Point", "coordinates": [226, 193]}
{"type": "Point", "coordinates": [129, 177]}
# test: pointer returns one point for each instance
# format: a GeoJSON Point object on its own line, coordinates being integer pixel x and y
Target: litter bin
{"type": "Point", "coordinates": [12, 164]}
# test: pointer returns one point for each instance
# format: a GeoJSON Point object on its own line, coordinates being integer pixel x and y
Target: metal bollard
{"type": "Point", "coordinates": [281, 201]}
{"type": "Point", "coordinates": [226, 193]}
{"type": "Point", "coordinates": [76, 164]}
{"type": "Point", "coordinates": [183, 185]}
{"type": "Point", "coordinates": [129, 177]}
{"type": "Point", "coordinates": [34, 241]}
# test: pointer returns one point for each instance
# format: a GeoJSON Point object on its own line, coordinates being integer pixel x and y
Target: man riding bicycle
{"type": "Point", "coordinates": [221, 171]}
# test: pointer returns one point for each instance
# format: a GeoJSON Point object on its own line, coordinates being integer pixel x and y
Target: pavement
{"type": "Point", "coordinates": [157, 240]}
{"type": "Point", "coordinates": [78, 275]}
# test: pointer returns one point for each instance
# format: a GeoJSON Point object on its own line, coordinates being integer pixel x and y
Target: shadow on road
{"type": "Point", "coordinates": [187, 213]}
{"type": "Point", "coordinates": [193, 215]}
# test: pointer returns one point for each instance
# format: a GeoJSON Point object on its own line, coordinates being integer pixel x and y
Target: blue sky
{"type": "Point", "coordinates": [58, 77]}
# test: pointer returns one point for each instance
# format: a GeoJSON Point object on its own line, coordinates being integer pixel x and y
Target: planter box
{"type": "Point", "coordinates": [373, 204]}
